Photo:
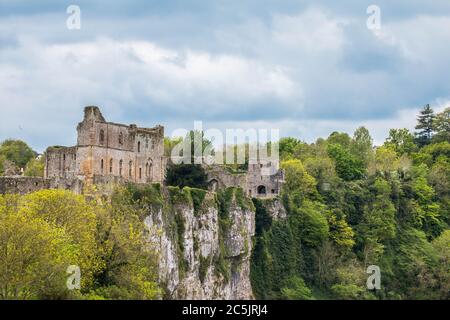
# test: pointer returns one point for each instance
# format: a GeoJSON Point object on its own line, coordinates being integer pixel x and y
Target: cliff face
{"type": "Point", "coordinates": [204, 242]}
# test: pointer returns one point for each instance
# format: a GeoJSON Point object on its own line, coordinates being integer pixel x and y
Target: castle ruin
{"type": "Point", "coordinates": [109, 150]}
{"type": "Point", "coordinates": [108, 153]}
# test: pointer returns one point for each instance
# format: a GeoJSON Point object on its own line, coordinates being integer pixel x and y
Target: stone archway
{"type": "Point", "coordinates": [262, 190]}
{"type": "Point", "coordinates": [213, 185]}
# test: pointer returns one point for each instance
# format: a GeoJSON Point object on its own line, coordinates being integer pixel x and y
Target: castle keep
{"type": "Point", "coordinates": [107, 153]}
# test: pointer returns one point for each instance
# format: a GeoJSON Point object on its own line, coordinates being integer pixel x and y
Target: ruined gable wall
{"type": "Point", "coordinates": [61, 162]}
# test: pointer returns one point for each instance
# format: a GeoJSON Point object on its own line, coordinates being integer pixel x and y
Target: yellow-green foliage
{"type": "Point", "coordinates": [34, 252]}
{"type": "Point", "coordinates": [35, 168]}
{"type": "Point", "coordinates": [44, 232]}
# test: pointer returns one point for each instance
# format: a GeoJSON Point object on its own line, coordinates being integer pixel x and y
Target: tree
{"type": "Point", "coordinates": [386, 161]}
{"type": "Point", "coordinates": [378, 223]}
{"type": "Point", "coordinates": [296, 289]}
{"type": "Point", "coordinates": [34, 254]}
{"type": "Point", "coordinates": [299, 184]}
{"type": "Point", "coordinates": [35, 168]}
{"type": "Point", "coordinates": [2, 165]}
{"type": "Point", "coordinates": [77, 217]}
{"type": "Point", "coordinates": [442, 126]}
{"type": "Point", "coordinates": [340, 232]}
{"type": "Point", "coordinates": [410, 253]}
{"type": "Point", "coordinates": [130, 270]}
{"type": "Point", "coordinates": [442, 268]}
{"type": "Point", "coordinates": [17, 152]}
{"type": "Point", "coordinates": [287, 147]}
{"type": "Point", "coordinates": [340, 138]}
{"type": "Point", "coordinates": [313, 226]}
{"type": "Point", "coordinates": [170, 143]}
{"type": "Point", "coordinates": [351, 282]}
{"type": "Point", "coordinates": [425, 211]}
{"type": "Point", "coordinates": [348, 167]}
{"type": "Point", "coordinates": [187, 175]}
{"type": "Point", "coordinates": [361, 145]}
{"type": "Point", "coordinates": [400, 140]}
{"type": "Point", "coordinates": [425, 126]}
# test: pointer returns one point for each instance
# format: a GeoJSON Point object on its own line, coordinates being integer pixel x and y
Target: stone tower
{"type": "Point", "coordinates": [109, 151]}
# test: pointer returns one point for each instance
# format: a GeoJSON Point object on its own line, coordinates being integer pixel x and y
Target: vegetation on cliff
{"type": "Point", "coordinates": [350, 206]}
{"type": "Point", "coordinates": [43, 233]}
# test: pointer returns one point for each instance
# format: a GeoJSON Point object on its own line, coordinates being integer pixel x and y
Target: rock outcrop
{"type": "Point", "coordinates": [204, 242]}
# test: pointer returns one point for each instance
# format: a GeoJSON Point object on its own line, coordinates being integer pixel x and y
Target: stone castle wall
{"type": "Point", "coordinates": [109, 149]}
{"type": "Point", "coordinates": [260, 180]}
{"type": "Point", "coordinates": [24, 185]}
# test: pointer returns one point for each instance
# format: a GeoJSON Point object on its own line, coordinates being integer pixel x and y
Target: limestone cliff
{"type": "Point", "coordinates": [204, 242]}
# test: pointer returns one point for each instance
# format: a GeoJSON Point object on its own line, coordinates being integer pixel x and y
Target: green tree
{"type": "Point", "coordinates": [187, 175]}
{"type": "Point", "coordinates": [296, 289]}
{"type": "Point", "coordinates": [2, 164]}
{"type": "Point", "coordinates": [287, 147]}
{"type": "Point", "coordinates": [298, 183]}
{"type": "Point", "coordinates": [313, 226]}
{"type": "Point", "coordinates": [351, 282]}
{"type": "Point", "coordinates": [400, 140]}
{"type": "Point", "coordinates": [340, 138]}
{"type": "Point", "coordinates": [34, 254]}
{"type": "Point", "coordinates": [17, 152]}
{"type": "Point", "coordinates": [378, 223]}
{"type": "Point", "coordinates": [74, 214]}
{"type": "Point", "coordinates": [340, 232]}
{"type": "Point", "coordinates": [425, 210]}
{"type": "Point", "coordinates": [425, 126]}
{"type": "Point", "coordinates": [442, 126]}
{"type": "Point", "coordinates": [386, 160]}
{"type": "Point", "coordinates": [442, 269]}
{"type": "Point", "coordinates": [35, 168]}
{"type": "Point", "coordinates": [362, 144]}
{"type": "Point", "coordinates": [348, 167]}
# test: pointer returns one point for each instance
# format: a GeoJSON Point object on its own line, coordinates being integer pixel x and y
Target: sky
{"type": "Point", "coordinates": [306, 68]}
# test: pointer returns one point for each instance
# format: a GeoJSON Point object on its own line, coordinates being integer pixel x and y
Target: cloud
{"type": "Point", "coordinates": [52, 82]}
{"type": "Point", "coordinates": [308, 69]}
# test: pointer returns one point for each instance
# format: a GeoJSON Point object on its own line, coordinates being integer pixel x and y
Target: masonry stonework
{"type": "Point", "coordinates": [108, 153]}
{"type": "Point", "coordinates": [262, 179]}
{"type": "Point", "coordinates": [127, 152]}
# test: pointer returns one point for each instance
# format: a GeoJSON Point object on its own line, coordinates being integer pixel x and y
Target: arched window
{"type": "Point", "coordinates": [102, 165]}
{"type": "Point", "coordinates": [261, 190]}
{"type": "Point", "coordinates": [130, 167]}
{"type": "Point", "coordinates": [111, 166]}
{"type": "Point", "coordinates": [139, 146]}
{"type": "Point", "coordinates": [148, 168]}
{"type": "Point", "coordinates": [140, 173]}
{"type": "Point", "coordinates": [213, 185]}
{"type": "Point", "coordinates": [102, 136]}
{"type": "Point", "coordinates": [120, 167]}
{"type": "Point", "coordinates": [120, 138]}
